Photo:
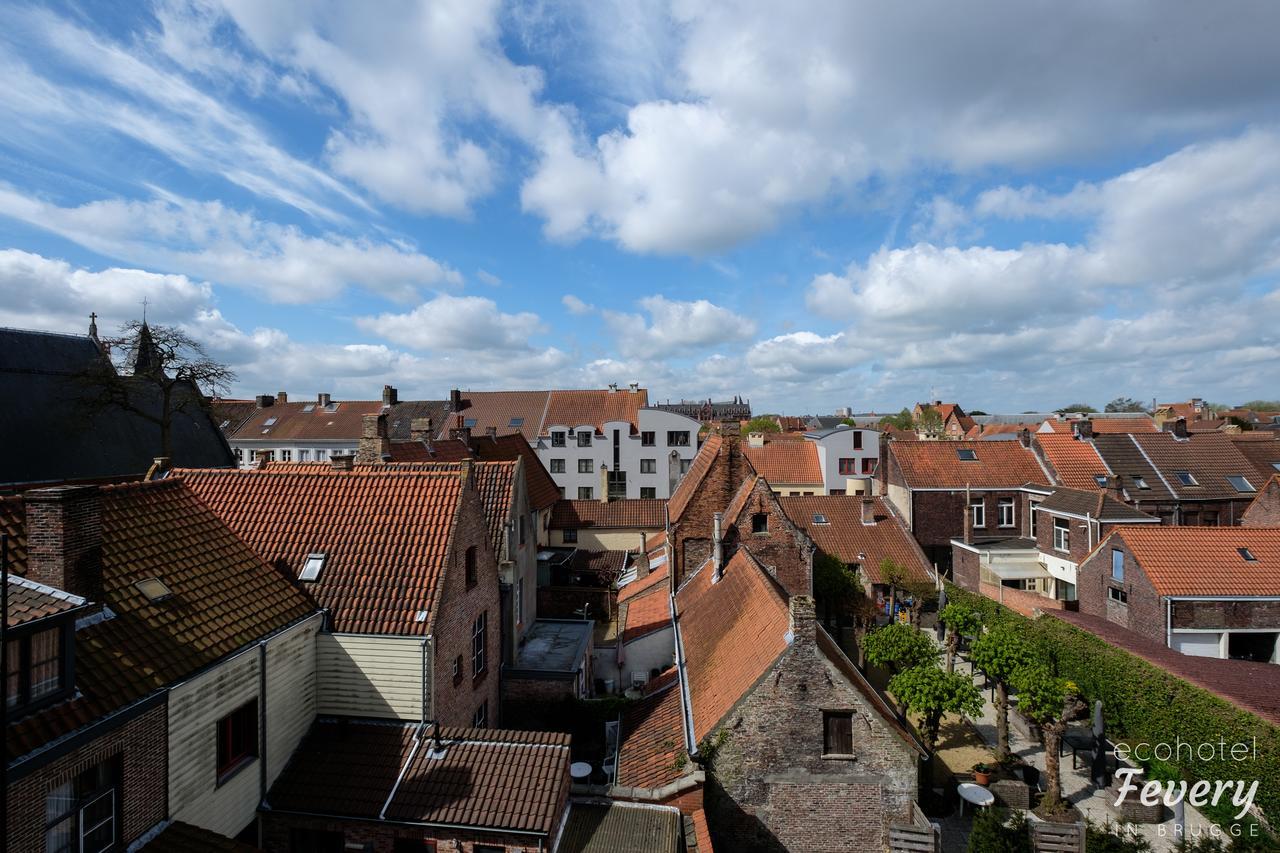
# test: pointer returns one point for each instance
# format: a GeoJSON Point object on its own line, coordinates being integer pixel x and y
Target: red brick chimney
{"type": "Point", "coordinates": [420, 429]}
{"type": "Point", "coordinates": [1180, 428]}
{"type": "Point", "coordinates": [282, 397]}
{"type": "Point", "coordinates": [64, 539]}
{"type": "Point", "coordinates": [374, 441]}
{"type": "Point", "coordinates": [1083, 428]}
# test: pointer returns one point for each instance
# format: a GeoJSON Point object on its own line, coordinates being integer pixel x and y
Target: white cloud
{"type": "Point", "coordinates": [576, 306]}
{"type": "Point", "coordinates": [209, 240]}
{"type": "Point", "coordinates": [470, 323]}
{"type": "Point", "coordinates": [801, 355]}
{"type": "Point", "coordinates": [675, 327]}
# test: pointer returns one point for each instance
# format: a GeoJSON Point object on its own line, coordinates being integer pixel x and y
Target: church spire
{"type": "Point", "coordinates": [147, 359]}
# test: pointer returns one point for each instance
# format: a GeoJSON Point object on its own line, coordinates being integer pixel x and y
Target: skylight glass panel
{"type": "Point", "coordinates": [154, 589]}
{"type": "Point", "coordinates": [469, 423]}
{"type": "Point", "coordinates": [517, 422]}
{"type": "Point", "coordinates": [312, 567]}
{"type": "Point", "coordinates": [1141, 482]}
{"type": "Point", "coordinates": [1240, 484]}
{"type": "Point", "coordinates": [1247, 555]}
{"type": "Point", "coordinates": [819, 518]}
{"type": "Point", "coordinates": [1276, 465]}
{"type": "Point", "coordinates": [1185, 478]}
{"type": "Point", "coordinates": [269, 422]}
{"type": "Point", "coordinates": [309, 407]}
{"type": "Point", "coordinates": [967, 455]}
{"type": "Point", "coordinates": [1101, 480]}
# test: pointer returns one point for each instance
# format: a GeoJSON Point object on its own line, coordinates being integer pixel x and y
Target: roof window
{"type": "Point", "coordinates": [1247, 555]}
{"type": "Point", "coordinates": [269, 422]}
{"type": "Point", "coordinates": [1101, 480]}
{"type": "Point", "coordinates": [1240, 484]}
{"type": "Point", "coordinates": [469, 423]}
{"type": "Point", "coordinates": [517, 422]}
{"type": "Point", "coordinates": [1141, 482]}
{"type": "Point", "coordinates": [312, 567]}
{"type": "Point", "coordinates": [154, 589]}
{"type": "Point", "coordinates": [331, 407]}
{"type": "Point", "coordinates": [1276, 465]}
{"type": "Point", "coordinates": [967, 455]}
{"type": "Point", "coordinates": [308, 408]}
{"type": "Point", "coordinates": [819, 518]}
{"type": "Point", "coordinates": [1185, 478]}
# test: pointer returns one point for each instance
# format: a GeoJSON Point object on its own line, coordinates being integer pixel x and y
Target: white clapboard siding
{"type": "Point", "coordinates": [291, 692]}
{"type": "Point", "coordinates": [194, 710]}
{"type": "Point", "coordinates": [369, 676]}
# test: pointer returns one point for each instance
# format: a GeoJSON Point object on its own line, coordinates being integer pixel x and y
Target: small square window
{"type": "Point", "coordinates": [586, 493]}
{"type": "Point", "coordinates": [1117, 595]}
{"type": "Point", "coordinates": [760, 522]}
{"type": "Point", "coordinates": [557, 439]}
{"type": "Point", "coordinates": [966, 455]}
{"type": "Point", "coordinates": [1247, 555]}
{"type": "Point", "coordinates": [516, 422]}
{"type": "Point", "coordinates": [584, 466]}
{"type": "Point", "coordinates": [571, 537]}
{"type": "Point", "coordinates": [1240, 484]}
{"type": "Point", "coordinates": [557, 466]}
{"type": "Point", "coordinates": [819, 518]}
{"type": "Point", "coordinates": [648, 493]}
{"type": "Point", "coordinates": [648, 466]}
{"type": "Point", "coordinates": [269, 422]}
{"type": "Point", "coordinates": [312, 567]}
{"type": "Point", "coordinates": [469, 423]}
{"type": "Point", "coordinates": [1185, 478]}
{"type": "Point", "coordinates": [584, 438]}
{"type": "Point", "coordinates": [1141, 482]}
{"type": "Point", "coordinates": [154, 589]}
{"type": "Point", "coordinates": [647, 439]}
{"type": "Point", "coordinates": [1101, 480]}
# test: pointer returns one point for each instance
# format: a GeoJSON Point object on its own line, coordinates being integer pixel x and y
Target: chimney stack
{"type": "Point", "coordinates": [868, 511]}
{"type": "Point", "coordinates": [717, 548]}
{"type": "Point", "coordinates": [159, 469]}
{"type": "Point", "coordinates": [466, 470]}
{"type": "Point", "coordinates": [342, 462]}
{"type": "Point", "coordinates": [1083, 428]}
{"type": "Point", "coordinates": [604, 483]}
{"type": "Point", "coordinates": [634, 386]}
{"type": "Point", "coordinates": [1180, 428]}
{"type": "Point", "coordinates": [968, 518]}
{"type": "Point", "coordinates": [804, 620]}
{"type": "Point", "coordinates": [375, 444]}
{"type": "Point", "coordinates": [455, 401]}
{"type": "Point", "coordinates": [1115, 488]}
{"type": "Point", "coordinates": [642, 559]}
{"type": "Point", "coordinates": [491, 432]}
{"type": "Point", "coordinates": [322, 400]}
{"type": "Point", "coordinates": [282, 397]}
{"type": "Point", "coordinates": [264, 401]}
{"type": "Point", "coordinates": [64, 539]}
{"type": "Point", "coordinates": [1024, 437]}
{"type": "Point", "coordinates": [755, 439]}
{"type": "Point", "coordinates": [390, 396]}
{"type": "Point", "coordinates": [462, 434]}
{"type": "Point", "coordinates": [420, 429]}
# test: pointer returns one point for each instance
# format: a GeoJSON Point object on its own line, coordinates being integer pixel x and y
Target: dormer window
{"type": "Point", "coordinates": [1185, 478]}
{"type": "Point", "coordinates": [36, 668]}
{"type": "Point", "coordinates": [1240, 484]}
{"type": "Point", "coordinates": [312, 567]}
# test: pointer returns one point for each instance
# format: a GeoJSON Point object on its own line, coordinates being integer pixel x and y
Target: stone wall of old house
{"type": "Point", "coordinates": [783, 549]}
{"type": "Point", "coordinates": [691, 535]}
{"type": "Point", "coordinates": [1265, 509]}
{"type": "Point", "coordinates": [770, 786]}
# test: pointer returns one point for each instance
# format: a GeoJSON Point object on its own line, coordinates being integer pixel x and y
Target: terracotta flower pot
{"type": "Point", "coordinates": [982, 778]}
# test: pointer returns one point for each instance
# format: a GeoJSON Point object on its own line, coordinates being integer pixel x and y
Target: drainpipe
{"type": "Point", "coordinates": [427, 662]}
{"type": "Point", "coordinates": [1168, 623]}
{"type": "Point", "coordinates": [262, 728]}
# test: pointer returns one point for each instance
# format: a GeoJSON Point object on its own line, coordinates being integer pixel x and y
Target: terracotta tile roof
{"type": "Point", "coordinates": [500, 410]}
{"type": "Point", "coordinates": [224, 597]}
{"type": "Point", "coordinates": [487, 778]}
{"type": "Point", "coordinates": [495, 481]}
{"type": "Point", "coordinates": [1205, 560]}
{"type": "Point", "coordinates": [732, 632]}
{"type": "Point", "coordinates": [791, 424]}
{"type": "Point", "coordinates": [1255, 687]}
{"type": "Point", "coordinates": [1210, 458]}
{"type": "Point", "coordinates": [1096, 504]}
{"type": "Point", "coordinates": [846, 538]}
{"type": "Point", "coordinates": [29, 601]}
{"type": "Point", "coordinates": [692, 479]}
{"type": "Point", "coordinates": [701, 833]}
{"type": "Point", "coordinates": [543, 491]}
{"type": "Point", "coordinates": [1076, 462]}
{"type": "Point", "coordinates": [937, 464]}
{"type": "Point", "coordinates": [384, 530]}
{"type": "Point", "coordinates": [294, 421]}
{"type": "Point", "coordinates": [605, 566]}
{"type": "Point", "coordinates": [655, 578]}
{"type": "Point", "coordinates": [653, 740]}
{"type": "Point", "coordinates": [1207, 425]}
{"type": "Point", "coordinates": [179, 837]}
{"type": "Point", "coordinates": [617, 827]}
{"type": "Point", "coordinates": [1262, 451]}
{"type": "Point", "coordinates": [637, 513]}
{"type": "Point", "coordinates": [646, 611]}
{"type": "Point", "coordinates": [740, 499]}
{"type": "Point", "coordinates": [1109, 426]}
{"type": "Point", "coordinates": [577, 408]}
{"type": "Point", "coordinates": [786, 462]}
{"type": "Point", "coordinates": [989, 430]}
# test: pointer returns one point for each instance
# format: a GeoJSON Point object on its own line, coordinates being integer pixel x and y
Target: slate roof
{"type": "Point", "coordinates": [621, 828]}
{"type": "Point", "coordinates": [1125, 459]}
{"type": "Point", "coordinates": [1075, 461]}
{"type": "Point", "coordinates": [384, 530]}
{"type": "Point", "coordinates": [846, 538]}
{"type": "Point", "coordinates": [307, 421]}
{"type": "Point", "coordinates": [229, 415]}
{"type": "Point", "coordinates": [487, 778]}
{"type": "Point", "coordinates": [653, 739]}
{"type": "Point", "coordinates": [1205, 560]}
{"type": "Point", "coordinates": [937, 465]}
{"type": "Point", "coordinates": [692, 479]}
{"type": "Point", "coordinates": [29, 601]}
{"type": "Point", "coordinates": [1255, 687]}
{"type": "Point", "coordinates": [732, 632]}
{"type": "Point", "coordinates": [1210, 458]}
{"type": "Point", "coordinates": [1096, 504]}
{"type": "Point", "coordinates": [786, 462]}
{"type": "Point", "coordinates": [224, 597]}
{"type": "Point", "coordinates": [1263, 454]}
{"type": "Point", "coordinates": [61, 440]}
{"type": "Point", "coordinates": [639, 513]}
{"type": "Point", "coordinates": [401, 415]}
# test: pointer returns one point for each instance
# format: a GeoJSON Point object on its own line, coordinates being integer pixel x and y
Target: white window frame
{"type": "Point", "coordinates": [1006, 504]}
{"type": "Point", "coordinates": [648, 466]}
{"type": "Point", "coordinates": [978, 513]}
{"type": "Point", "coordinates": [586, 466]}
{"type": "Point", "coordinates": [1062, 535]}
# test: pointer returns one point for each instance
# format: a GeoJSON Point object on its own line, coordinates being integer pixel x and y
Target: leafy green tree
{"type": "Point", "coordinates": [961, 620]}
{"type": "Point", "coordinates": [899, 645]}
{"type": "Point", "coordinates": [930, 692]}
{"type": "Point", "coordinates": [976, 412]}
{"type": "Point", "coordinates": [835, 586]}
{"type": "Point", "coordinates": [1124, 404]}
{"type": "Point", "coordinates": [1262, 405]}
{"type": "Point", "coordinates": [1052, 703]}
{"type": "Point", "coordinates": [1077, 407]}
{"type": "Point", "coordinates": [903, 420]}
{"type": "Point", "coordinates": [764, 423]}
{"type": "Point", "coordinates": [929, 422]}
{"type": "Point", "coordinates": [995, 831]}
{"type": "Point", "coordinates": [1001, 652]}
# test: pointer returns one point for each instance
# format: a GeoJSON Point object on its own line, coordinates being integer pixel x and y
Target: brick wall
{"type": "Point", "coordinates": [565, 602]}
{"type": "Point", "coordinates": [1144, 611]}
{"type": "Point", "coordinates": [382, 837]}
{"type": "Point", "coordinates": [769, 786]}
{"type": "Point", "coordinates": [784, 550]}
{"type": "Point", "coordinates": [1265, 509]}
{"type": "Point", "coordinates": [64, 539]}
{"type": "Point", "coordinates": [456, 700]}
{"type": "Point", "coordinates": [966, 568]}
{"type": "Point", "coordinates": [142, 747]}
{"type": "Point", "coordinates": [1226, 614]}
{"type": "Point", "coordinates": [1018, 600]}
{"type": "Point", "coordinates": [691, 536]}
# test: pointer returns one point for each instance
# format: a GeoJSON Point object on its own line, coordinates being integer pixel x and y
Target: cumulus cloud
{"type": "Point", "coordinates": [798, 355]}
{"type": "Point", "coordinates": [576, 306]}
{"type": "Point", "coordinates": [210, 240]}
{"type": "Point", "coordinates": [675, 327]}
{"type": "Point", "coordinates": [456, 322]}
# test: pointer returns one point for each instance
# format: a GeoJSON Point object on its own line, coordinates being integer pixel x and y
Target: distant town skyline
{"type": "Point", "coordinates": [841, 205]}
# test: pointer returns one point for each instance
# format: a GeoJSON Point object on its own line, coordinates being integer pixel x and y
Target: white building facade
{"type": "Point", "coordinates": [848, 457]}
{"type": "Point", "coordinates": [619, 460]}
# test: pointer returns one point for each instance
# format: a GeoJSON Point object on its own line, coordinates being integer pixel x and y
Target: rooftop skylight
{"type": "Point", "coordinates": [1240, 484]}
{"type": "Point", "coordinates": [1141, 482]}
{"type": "Point", "coordinates": [312, 567]}
{"type": "Point", "coordinates": [819, 518]}
{"type": "Point", "coordinates": [1185, 478]}
{"type": "Point", "coordinates": [967, 455]}
{"type": "Point", "coordinates": [154, 589]}
{"type": "Point", "coordinates": [1248, 555]}
{"type": "Point", "coordinates": [517, 422]}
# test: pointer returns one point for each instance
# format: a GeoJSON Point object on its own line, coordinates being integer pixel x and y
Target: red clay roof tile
{"type": "Point", "coordinates": [1075, 461]}
{"type": "Point", "coordinates": [1206, 560]}
{"type": "Point", "coordinates": [638, 513]}
{"type": "Point", "coordinates": [937, 464]}
{"type": "Point", "coordinates": [846, 538]}
{"type": "Point", "coordinates": [786, 462]}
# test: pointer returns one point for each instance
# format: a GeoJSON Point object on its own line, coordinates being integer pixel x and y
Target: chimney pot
{"type": "Point", "coordinates": [389, 396]}
{"type": "Point", "coordinates": [755, 439]}
{"type": "Point", "coordinates": [1180, 428]}
{"type": "Point", "coordinates": [64, 539]}
{"type": "Point", "coordinates": [455, 400]}
{"type": "Point", "coordinates": [264, 401]}
{"type": "Point", "coordinates": [342, 462]}
{"type": "Point", "coordinates": [1083, 428]}
{"type": "Point", "coordinates": [1024, 437]}
{"type": "Point", "coordinates": [375, 445]}
{"type": "Point", "coordinates": [717, 552]}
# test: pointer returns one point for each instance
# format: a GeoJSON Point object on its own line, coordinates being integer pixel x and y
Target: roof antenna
{"type": "Point", "coordinates": [144, 310]}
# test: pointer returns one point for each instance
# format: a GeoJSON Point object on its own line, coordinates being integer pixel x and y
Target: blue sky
{"type": "Point", "coordinates": [1013, 205]}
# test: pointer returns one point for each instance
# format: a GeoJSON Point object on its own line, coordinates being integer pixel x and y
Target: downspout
{"type": "Point", "coordinates": [1168, 623]}
{"type": "Point", "coordinates": [262, 728]}
{"type": "Point", "coordinates": [428, 661]}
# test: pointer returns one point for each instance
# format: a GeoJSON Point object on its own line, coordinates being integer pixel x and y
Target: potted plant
{"type": "Point", "coordinates": [982, 773]}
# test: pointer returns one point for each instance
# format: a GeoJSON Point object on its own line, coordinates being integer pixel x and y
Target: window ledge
{"type": "Point", "coordinates": [235, 770]}
{"type": "Point", "coordinates": [837, 756]}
